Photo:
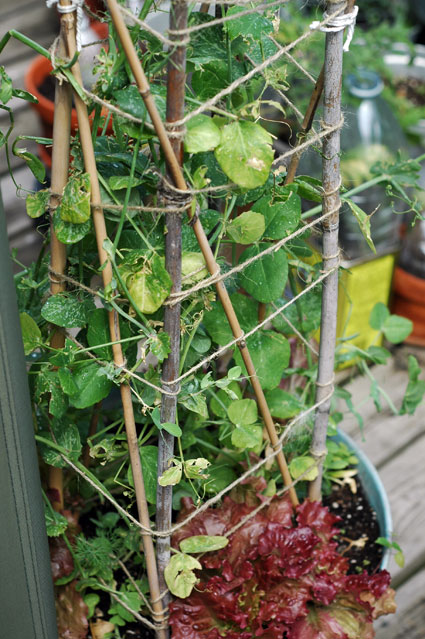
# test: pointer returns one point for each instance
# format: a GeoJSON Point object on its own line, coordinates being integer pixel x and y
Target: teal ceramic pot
{"type": "Point", "coordinates": [374, 490]}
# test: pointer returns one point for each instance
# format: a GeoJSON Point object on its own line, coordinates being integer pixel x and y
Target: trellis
{"type": "Point", "coordinates": [178, 199]}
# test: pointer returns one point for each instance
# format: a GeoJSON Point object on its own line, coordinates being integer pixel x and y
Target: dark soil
{"type": "Point", "coordinates": [359, 528]}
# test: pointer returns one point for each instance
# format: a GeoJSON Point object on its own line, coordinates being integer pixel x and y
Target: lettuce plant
{"type": "Point", "coordinates": [279, 577]}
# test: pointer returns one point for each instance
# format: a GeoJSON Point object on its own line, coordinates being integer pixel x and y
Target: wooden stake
{"type": "Point", "coordinates": [59, 178]}
{"type": "Point", "coordinates": [331, 204]}
{"type": "Point", "coordinates": [176, 80]}
{"type": "Point", "coordinates": [101, 236]}
{"type": "Point", "coordinates": [177, 175]}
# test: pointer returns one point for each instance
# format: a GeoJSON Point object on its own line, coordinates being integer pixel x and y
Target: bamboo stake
{"type": "Point", "coordinates": [331, 204]}
{"type": "Point", "coordinates": [59, 178]}
{"type": "Point", "coordinates": [101, 236]}
{"type": "Point", "coordinates": [177, 175]}
{"type": "Point", "coordinates": [176, 80]}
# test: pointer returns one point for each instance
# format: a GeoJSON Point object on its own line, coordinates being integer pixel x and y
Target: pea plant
{"type": "Point", "coordinates": [173, 365]}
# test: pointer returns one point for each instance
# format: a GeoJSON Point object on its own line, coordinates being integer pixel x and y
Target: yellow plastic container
{"type": "Point", "coordinates": [361, 286]}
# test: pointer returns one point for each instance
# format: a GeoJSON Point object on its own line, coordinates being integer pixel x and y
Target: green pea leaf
{"type": "Point", "coordinates": [251, 26]}
{"type": "Point", "coordinates": [311, 310]}
{"type": "Point", "coordinates": [171, 476]}
{"type": "Point", "coordinates": [67, 232]}
{"type": "Point", "coordinates": [281, 217]}
{"type": "Point", "coordinates": [378, 315]}
{"type": "Point", "coordinates": [98, 333]}
{"type": "Point", "coordinates": [415, 388]}
{"type": "Point", "coordinates": [247, 436]}
{"type": "Point", "coordinates": [397, 328]}
{"type": "Point", "coordinates": [363, 221]}
{"type": "Point", "coordinates": [243, 411]}
{"type": "Point", "coordinates": [194, 468]}
{"type": "Point", "coordinates": [221, 400]}
{"type": "Point", "coordinates": [67, 310]}
{"type": "Point", "coordinates": [245, 153]}
{"type": "Point", "coordinates": [309, 188]}
{"type": "Point", "coordinates": [37, 203]}
{"type": "Point", "coordinates": [216, 323]}
{"type": "Point", "coordinates": [67, 381]}
{"type": "Point", "coordinates": [56, 524]}
{"type": "Point", "coordinates": [92, 384]}
{"type": "Point", "coordinates": [195, 403]}
{"type": "Point", "coordinates": [300, 465]}
{"type": "Point", "coordinates": [283, 405]}
{"type": "Point", "coordinates": [68, 437]}
{"type": "Point", "coordinates": [179, 575]}
{"type": "Point", "coordinates": [151, 286]}
{"type": "Point", "coordinates": [48, 385]}
{"type": "Point", "coordinates": [173, 429]}
{"type": "Point", "coordinates": [118, 182]}
{"type": "Point", "coordinates": [203, 543]}
{"type": "Point", "coordinates": [149, 461]}
{"type": "Point", "coordinates": [34, 163]}
{"type": "Point", "coordinates": [5, 86]}
{"type": "Point", "coordinates": [265, 278]}
{"type": "Point", "coordinates": [31, 334]}
{"type": "Point", "coordinates": [75, 203]}
{"type": "Point", "coordinates": [220, 476]}
{"type": "Point", "coordinates": [270, 354]}
{"type": "Point", "coordinates": [202, 134]}
{"type": "Point", "coordinates": [246, 228]}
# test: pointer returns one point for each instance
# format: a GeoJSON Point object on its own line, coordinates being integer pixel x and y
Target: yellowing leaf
{"type": "Point", "coordinates": [179, 575]}
{"type": "Point", "coordinates": [203, 543]}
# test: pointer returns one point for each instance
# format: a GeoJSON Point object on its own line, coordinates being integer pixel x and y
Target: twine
{"type": "Point", "coordinates": [339, 23]}
{"type": "Point", "coordinates": [76, 5]}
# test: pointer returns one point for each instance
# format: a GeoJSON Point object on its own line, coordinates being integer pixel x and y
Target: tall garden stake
{"type": "Point", "coordinates": [330, 250]}
{"type": "Point", "coordinates": [130, 426]}
{"type": "Point", "coordinates": [177, 175]}
{"type": "Point", "coordinates": [175, 111]}
{"type": "Point", "coordinates": [59, 178]}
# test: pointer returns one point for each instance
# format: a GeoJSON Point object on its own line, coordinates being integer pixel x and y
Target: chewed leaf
{"type": "Point", "coordinates": [245, 153]}
{"type": "Point", "coordinates": [37, 203]}
{"type": "Point", "coordinates": [179, 575]}
{"type": "Point", "coordinates": [75, 204]}
{"type": "Point", "coordinates": [172, 476]}
{"type": "Point", "coordinates": [363, 220]}
{"type": "Point", "coordinates": [203, 543]}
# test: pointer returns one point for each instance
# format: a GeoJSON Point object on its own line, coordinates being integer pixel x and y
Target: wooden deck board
{"type": "Point", "coordinates": [409, 621]}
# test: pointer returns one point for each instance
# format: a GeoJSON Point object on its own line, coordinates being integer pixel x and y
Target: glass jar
{"type": "Point", "coordinates": [370, 134]}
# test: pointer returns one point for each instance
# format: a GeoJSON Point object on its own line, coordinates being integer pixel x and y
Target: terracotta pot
{"type": "Point", "coordinates": [39, 69]}
{"type": "Point", "coordinates": [409, 301]}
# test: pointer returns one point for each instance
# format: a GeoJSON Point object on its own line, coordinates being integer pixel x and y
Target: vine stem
{"type": "Point", "coordinates": [331, 204]}
{"type": "Point", "coordinates": [176, 79]}
{"type": "Point", "coordinates": [178, 178]}
{"type": "Point", "coordinates": [59, 178]}
{"type": "Point", "coordinates": [101, 236]}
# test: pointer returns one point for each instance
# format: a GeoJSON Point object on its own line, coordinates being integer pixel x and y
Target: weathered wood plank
{"type": "Point", "coordinates": [409, 621]}
{"type": "Point", "coordinates": [404, 481]}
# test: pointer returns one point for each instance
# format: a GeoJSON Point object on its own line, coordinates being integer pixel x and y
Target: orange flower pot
{"type": "Point", "coordinates": [409, 301]}
{"type": "Point", "coordinates": [39, 69]}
